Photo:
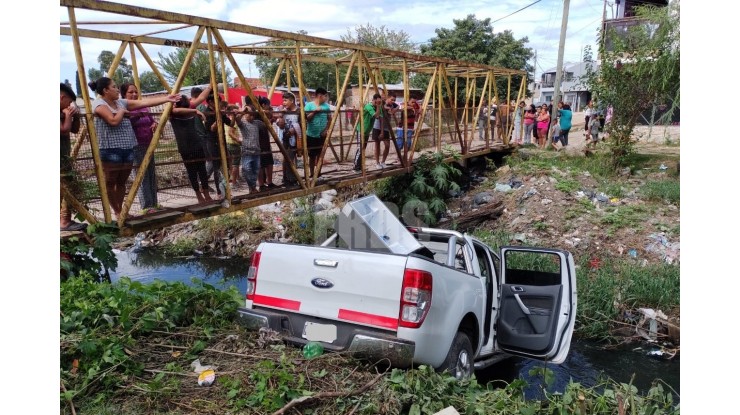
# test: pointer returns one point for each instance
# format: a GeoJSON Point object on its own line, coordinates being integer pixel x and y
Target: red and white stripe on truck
{"type": "Point", "coordinates": [416, 300]}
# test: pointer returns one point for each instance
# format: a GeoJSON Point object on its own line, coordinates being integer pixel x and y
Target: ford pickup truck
{"type": "Point", "coordinates": [406, 295]}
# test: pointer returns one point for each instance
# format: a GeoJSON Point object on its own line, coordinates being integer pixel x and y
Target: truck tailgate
{"type": "Point", "coordinates": [336, 284]}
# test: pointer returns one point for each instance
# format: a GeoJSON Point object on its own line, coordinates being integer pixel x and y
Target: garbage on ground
{"type": "Point", "coordinates": [206, 378]}
{"type": "Point", "coordinates": [659, 244]}
{"type": "Point", "coordinates": [482, 198]}
{"type": "Point", "coordinates": [312, 349]}
{"type": "Point", "coordinates": [601, 197]}
{"type": "Point", "coordinates": [267, 336]}
{"type": "Point", "coordinates": [663, 167]}
{"type": "Point", "coordinates": [530, 193]}
{"type": "Point", "coordinates": [594, 263]}
{"type": "Point", "coordinates": [632, 253]}
{"type": "Point", "coordinates": [198, 367]}
{"type": "Point", "coordinates": [515, 183]}
{"type": "Point", "coordinates": [501, 187]}
{"type": "Point", "coordinates": [447, 411]}
{"type": "Point", "coordinates": [652, 318]}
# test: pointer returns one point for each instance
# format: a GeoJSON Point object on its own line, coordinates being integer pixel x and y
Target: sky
{"type": "Point", "coordinates": [540, 23]}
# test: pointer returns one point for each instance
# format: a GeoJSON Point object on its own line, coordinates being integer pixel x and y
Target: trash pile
{"type": "Point", "coordinates": [659, 244]}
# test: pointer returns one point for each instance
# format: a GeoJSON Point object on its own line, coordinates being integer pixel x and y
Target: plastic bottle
{"type": "Point", "coordinates": [312, 349]}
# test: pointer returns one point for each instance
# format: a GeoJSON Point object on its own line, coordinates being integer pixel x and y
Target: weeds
{"type": "Point", "coordinates": [668, 190]}
{"type": "Point", "coordinates": [96, 259]}
{"type": "Point", "coordinates": [567, 185]}
{"type": "Point", "coordinates": [624, 217]}
{"type": "Point", "coordinates": [100, 325]}
{"type": "Point", "coordinates": [222, 225]}
{"type": "Point", "coordinates": [618, 285]}
{"type": "Point", "coordinates": [181, 247]}
{"type": "Point", "coordinates": [307, 227]}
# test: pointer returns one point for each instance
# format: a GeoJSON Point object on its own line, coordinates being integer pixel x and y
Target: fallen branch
{"type": "Point", "coordinates": [473, 219]}
{"type": "Point", "coordinates": [69, 400]}
{"type": "Point", "coordinates": [322, 395]}
{"type": "Point", "coordinates": [206, 350]}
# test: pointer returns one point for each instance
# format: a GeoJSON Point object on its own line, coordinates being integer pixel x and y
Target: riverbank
{"type": "Point", "coordinates": [622, 228]}
{"type": "Point", "coordinates": [148, 352]}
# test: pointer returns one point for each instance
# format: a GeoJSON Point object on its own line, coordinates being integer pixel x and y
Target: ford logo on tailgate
{"type": "Point", "coordinates": [321, 283]}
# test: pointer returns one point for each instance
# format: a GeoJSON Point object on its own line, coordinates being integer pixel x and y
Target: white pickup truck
{"type": "Point", "coordinates": [414, 295]}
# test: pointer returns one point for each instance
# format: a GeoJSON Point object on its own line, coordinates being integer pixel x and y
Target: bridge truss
{"type": "Point", "coordinates": [444, 123]}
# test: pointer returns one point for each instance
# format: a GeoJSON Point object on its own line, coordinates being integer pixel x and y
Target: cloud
{"type": "Point", "coordinates": [330, 19]}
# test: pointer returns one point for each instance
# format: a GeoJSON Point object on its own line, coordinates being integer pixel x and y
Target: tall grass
{"type": "Point", "coordinates": [619, 285]}
{"type": "Point", "coordinates": [669, 189]}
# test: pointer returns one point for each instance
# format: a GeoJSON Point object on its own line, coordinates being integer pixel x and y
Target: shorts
{"type": "Point", "coordinates": [376, 135]}
{"type": "Point", "coordinates": [117, 155]}
{"type": "Point", "coordinates": [235, 154]}
{"type": "Point", "coordinates": [268, 159]}
{"type": "Point", "coordinates": [315, 145]}
{"type": "Point", "coordinates": [555, 139]}
{"type": "Point", "coordinates": [399, 138]}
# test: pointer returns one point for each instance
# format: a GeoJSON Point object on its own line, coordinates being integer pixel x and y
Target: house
{"type": "Point", "coordinates": [572, 85]}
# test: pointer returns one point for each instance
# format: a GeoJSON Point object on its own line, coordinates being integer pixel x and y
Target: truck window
{"type": "Point", "coordinates": [483, 263]}
{"type": "Point", "coordinates": [532, 268]}
{"type": "Point", "coordinates": [460, 263]}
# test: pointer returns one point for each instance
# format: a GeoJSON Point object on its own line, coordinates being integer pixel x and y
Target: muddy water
{"type": "Point", "coordinates": [587, 363]}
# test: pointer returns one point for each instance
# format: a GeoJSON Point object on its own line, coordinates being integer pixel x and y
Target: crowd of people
{"type": "Point", "coordinates": [379, 117]}
{"type": "Point", "coordinates": [533, 125]}
{"type": "Point", "coordinates": [125, 129]}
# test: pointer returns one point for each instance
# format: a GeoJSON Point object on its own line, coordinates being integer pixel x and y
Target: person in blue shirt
{"type": "Point", "coordinates": [318, 118]}
{"type": "Point", "coordinates": [565, 115]}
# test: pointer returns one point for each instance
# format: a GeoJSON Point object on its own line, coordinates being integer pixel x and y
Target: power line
{"type": "Point", "coordinates": [516, 12]}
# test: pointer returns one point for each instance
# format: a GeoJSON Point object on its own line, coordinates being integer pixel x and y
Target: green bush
{"type": "Point", "coordinates": [100, 323]}
{"type": "Point", "coordinates": [425, 189]}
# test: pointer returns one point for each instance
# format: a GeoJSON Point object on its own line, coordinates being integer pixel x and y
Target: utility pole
{"type": "Point", "coordinates": [534, 74]}
{"type": "Point", "coordinates": [559, 72]}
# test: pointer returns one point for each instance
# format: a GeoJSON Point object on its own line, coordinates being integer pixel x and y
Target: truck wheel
{"type": "Point", "coordinates": [459, 361]}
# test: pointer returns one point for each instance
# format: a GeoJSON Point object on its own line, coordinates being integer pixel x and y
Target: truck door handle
{"type": "Point", "coordinates": [524, 308]}
{"type": "Point", "coordinates": [517, 289]}
{"type": "Point", "coordinates": [325, 263]}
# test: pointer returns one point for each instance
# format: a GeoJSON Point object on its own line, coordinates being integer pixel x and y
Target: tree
{"type": "Point", "coordinates": [473, 40]}
{"type": "Point", "coordinates": [588, 55]}
{"type": "Point", "coordinates": [150, 82]}
{"type": "Point", "coordinates": [315, 74]}
{"type": "Point", "coordinates": [124, 71]}
{"type": "Point", "coordinates": [199, 71]}
{"type": "Point", "coordinates": [322, 74]}
{"type": "Point", "coordinates": [381, 37]}
{"type": "Point", "coordinates": [639, 69]}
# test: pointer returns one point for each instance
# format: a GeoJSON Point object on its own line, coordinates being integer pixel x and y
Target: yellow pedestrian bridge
{"type": "Point", "coordinates": [449, 114]}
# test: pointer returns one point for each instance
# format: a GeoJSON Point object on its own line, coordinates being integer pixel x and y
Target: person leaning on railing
{"type": "Point", "coordinates": [116, 137]}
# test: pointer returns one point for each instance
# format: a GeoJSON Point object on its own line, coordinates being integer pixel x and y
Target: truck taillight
{"type": "Point", "coordinates": [416, 298]}
{"type": "Point", "coordinates": [252, 275]}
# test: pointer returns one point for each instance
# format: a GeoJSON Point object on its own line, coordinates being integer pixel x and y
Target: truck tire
{"type": "Point", "coordinates": [459, 360]}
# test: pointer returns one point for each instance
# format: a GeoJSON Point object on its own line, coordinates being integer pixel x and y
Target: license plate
{"type": "Point", "coordinates": [320, 332]}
